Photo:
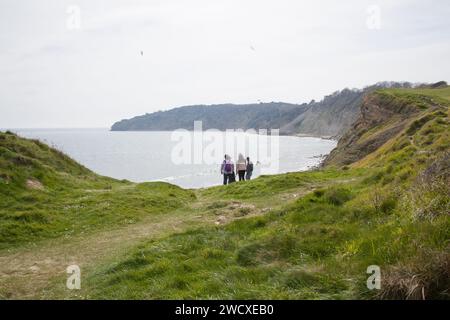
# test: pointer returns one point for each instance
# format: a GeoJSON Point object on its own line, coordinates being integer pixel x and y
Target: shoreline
{"type": "Point", "coordinates": [298, 135]}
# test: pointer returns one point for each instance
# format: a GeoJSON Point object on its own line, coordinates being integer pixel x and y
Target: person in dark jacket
{"type": "Point", "coordinates": [249, 169]}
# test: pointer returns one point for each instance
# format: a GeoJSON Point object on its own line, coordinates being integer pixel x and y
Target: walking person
{"type": "Point", "coordinates": [249, 169]}
{"type": "Point", "coordinates": [241, 167]}
{"type": "Point", "coordinates": [227, 169]}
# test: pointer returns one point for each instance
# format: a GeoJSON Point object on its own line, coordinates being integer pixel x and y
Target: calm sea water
{"type": "Point", "coordinates": [147, 156]}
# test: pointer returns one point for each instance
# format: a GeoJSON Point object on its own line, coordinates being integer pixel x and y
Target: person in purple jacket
{"type": "Point", "coordinates": [227, 169]}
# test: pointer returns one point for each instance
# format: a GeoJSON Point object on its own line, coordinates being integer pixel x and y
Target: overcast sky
{"type": "Point", "coordinates": [61, 69]}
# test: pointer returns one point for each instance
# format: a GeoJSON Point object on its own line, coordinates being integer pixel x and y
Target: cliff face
{"type": "Point", "coordinates": [385, 114]}
{"type": "Point", "coordinates": [330, 117]}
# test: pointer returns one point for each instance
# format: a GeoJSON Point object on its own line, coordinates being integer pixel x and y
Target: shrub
{"type": "Point", "coordinates": [383, 202]}
{"type": "Point", "coordinates": [337, 196]}
{"type": "Point", "coordinates": [319, 192]}
{"type": "Point", "coordinates": [388, 204]}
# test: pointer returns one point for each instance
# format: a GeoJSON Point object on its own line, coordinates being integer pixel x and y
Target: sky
{"type": "Point", "coordinates": [81, 64]}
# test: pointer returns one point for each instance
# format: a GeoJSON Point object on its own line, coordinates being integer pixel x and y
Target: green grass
{"type": "Point", "coordinates": [443, 94]}
{"type": "Point", "coordinates": [308, 235]}
{"type": "Point", "coordinates": [266, 186]}
{"type": "Point", "coordinates": [72, 199]}
{"type": "Point", "coordinates": [420, 98]}
{"type": "Point", "coordinates": [316, 248]}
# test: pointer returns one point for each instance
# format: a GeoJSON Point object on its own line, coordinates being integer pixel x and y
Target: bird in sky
{"type": "Point", "coordinates": [142, 53]}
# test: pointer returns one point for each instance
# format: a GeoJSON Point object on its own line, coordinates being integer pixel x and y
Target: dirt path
{"type": "Point", "coordinates": [25, 273]}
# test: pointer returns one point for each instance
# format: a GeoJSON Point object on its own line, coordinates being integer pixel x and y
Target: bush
{"type": "Point", "coordinates": [319, 192]}
{"type": "Point", "coordinates": [388, 205]}
{"type": "Point", "coordinates": [337, 196]}
{"type": "Point", "coordinates": [383, 202]}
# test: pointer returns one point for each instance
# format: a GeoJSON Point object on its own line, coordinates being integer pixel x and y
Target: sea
{"type": "Point", "coordinates": [187, 159]}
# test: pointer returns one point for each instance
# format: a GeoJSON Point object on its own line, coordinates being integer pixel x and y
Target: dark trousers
{"type": "Point", "coordinates": [228, 178]}
{"type": "Point", "coordinates": [248, 176]}
{"type": "Point", "coordinates": [241, 175]}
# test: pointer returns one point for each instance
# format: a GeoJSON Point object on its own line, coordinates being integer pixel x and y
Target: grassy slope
{"type": "Point", "coordinates": [320, 245]}
{"type": "Point", "coordinates": [73, 200]}
{"type": "Point", "coordinates": [388, 207]}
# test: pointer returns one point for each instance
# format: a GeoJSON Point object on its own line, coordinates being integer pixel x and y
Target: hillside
{"type": "Point", "coordinates": [45, 194]}
{"type": "Point", "coordinates": [382, 199]}
{"type": "Point", "coordinates": [384, 115]}
{"type": "Point", "coordinates": [250, 116]}
{"type": "Point", "coordinates": [327, 118]}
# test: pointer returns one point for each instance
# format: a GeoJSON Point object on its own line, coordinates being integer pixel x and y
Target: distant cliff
{"type": "Point", "coordinates": [330, 117]}
{"type": "Point", "coordinates": [221, 117]}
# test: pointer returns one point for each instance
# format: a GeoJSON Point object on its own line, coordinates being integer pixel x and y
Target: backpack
{"type": "Point", "coordinates": [250, 167]}
{"type": "Point", "coordinates": [227, 168]}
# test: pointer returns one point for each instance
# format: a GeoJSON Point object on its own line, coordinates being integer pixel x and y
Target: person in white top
{"type": "Point", "coordinates": [241, 166]}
